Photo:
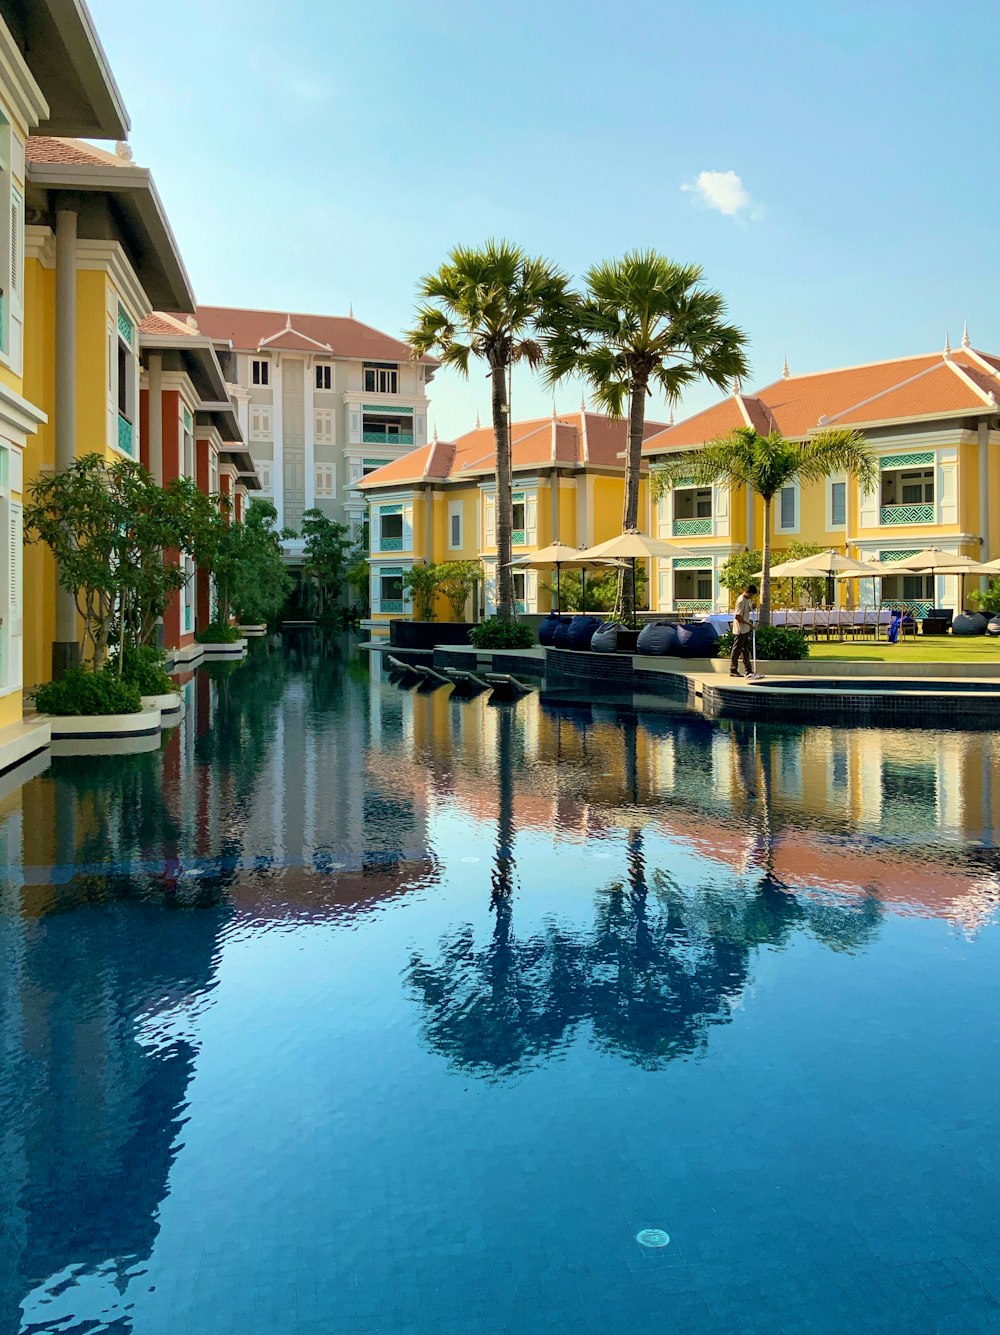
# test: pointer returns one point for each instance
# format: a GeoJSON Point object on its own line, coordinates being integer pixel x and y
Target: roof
{"type": "Point", "coordinates": [196, 354]}
{"type": "Point", "coordinates": [169, 326]}
{"type": "Point", "coordinates": [60, 46]}
{"type": "Point", "coordinates": [56, 164]}
{"type": "Point", "coordinates": [575, 440]}
{"type": "Point", "coordinates": [336, 336]}
{"type": "Point", "coordinates": [905, 389]}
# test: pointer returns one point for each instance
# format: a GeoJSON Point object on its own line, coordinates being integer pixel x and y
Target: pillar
{"type": "Point", "coordinates": [154, 373]}
{"type": "Point", "coordinates": [554, 500]}
{"type": "Point", "coordinates": [984, 496]}
{"type": "Point", "coordinates": [66, 647]}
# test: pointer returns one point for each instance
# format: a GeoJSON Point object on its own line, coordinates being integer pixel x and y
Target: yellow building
{"type": "Point", "coordinates": [53, 79]}
{"type": "Point", "coordinates": [438, 503]}
{"type": "Point", "coordinates": [99, 257]}
{"type": "Point", "coordinates": [935, 424]}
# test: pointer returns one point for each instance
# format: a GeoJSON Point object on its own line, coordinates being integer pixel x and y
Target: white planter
{"type": "Point", "coordinates": [235, 650]}
{"type": "Point", "coordinates": [253, 630]}
{"type": "Point", "coordinates": [169, 706]}
{"type": "Point", "coordinates": [105, 727]}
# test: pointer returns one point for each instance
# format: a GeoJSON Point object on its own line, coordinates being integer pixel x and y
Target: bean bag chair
{"type": "Point", "coordinates": [993, 628]}
{"type": "Point", "coordinates": [581, 632]}
{"type": "Point", "coordinates": [658, 637]}
{"type": "Point", "coordinates": [697, 641]}
{"type": "Point", "coordinates": [560, 635]}
{"type": "Point", "coordinates": [964, 624]}
{"type": "Point", "coordinates": [547, 630]}
{"type": "Point", "coordinates": [605, 637]}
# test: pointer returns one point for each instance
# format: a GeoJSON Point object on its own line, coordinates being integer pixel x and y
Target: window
{"type": "Point", "coordinates": [455, 526]}
{"type": "Point", "coordinates": [519, 586]}
{"type": "Point", "coordinates": [324, 377]}
{"type": "Point", "coordinates": [125, 389]}
{"type": "Point", "coordinates": [323, 427]}
{"type": "Point", "coordinates": [917, 487]}
{"type": "Point", "coordinates": [12, 250]}
{"type": "Point", "coordinates": [381, 378]}
{"type": "Point", "coordinates": [518, 520]}
{"type": "Point", "coordinates": [391, 591]}
{"type": "Point", "coordinates": [187, 445]}
{"type": "Point", "coordinates": [260, 422]}
{"type": "Point", "coordinates": [263, 467]}
{"type": "Point", "coordinates": [325, 484]}
{"type": "Point", "coordinates": [703, 504]}
{"type": "Point", "coordinates": [787, 516]}
{"type": "Point", "coordinates": [391, 528]}
{"type": "Point", "coordinates": [704, 586]}
{"type": "Point", "coordinates": [838, 504]}
{"type": "Point", "coordinates": [260, 371]}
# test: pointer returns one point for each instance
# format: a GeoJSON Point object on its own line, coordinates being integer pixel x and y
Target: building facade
{"type": "Point", "coordinates": [933, 421]}
{"type": "Point", "coordinates": [439, 504]}
{"type": "Point", "coordinates": [323, 401]}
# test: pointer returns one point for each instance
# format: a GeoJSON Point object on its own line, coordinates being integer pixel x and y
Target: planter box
{"type": "Point", "coordinates": [428, 634]}
{"type": "Point", "coordinates": [168, 705]}
{"type": "Point", "coordinates": [253, 630]}
{"type": "Point", "coordinates": [105, 726]}
{"type": "Point", "coordinates": [235, 650]}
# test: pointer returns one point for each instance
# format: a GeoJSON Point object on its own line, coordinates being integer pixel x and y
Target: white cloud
{"type": "Point", "coordinates": [723, 191]}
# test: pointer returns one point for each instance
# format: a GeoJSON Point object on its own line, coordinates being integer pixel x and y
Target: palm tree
{"type": "Point", "coordinates": [766, 464]}
{"type": "Point", "coordinates": [644, 323]}
{"type": "Point", "coordinates": [496, 304]}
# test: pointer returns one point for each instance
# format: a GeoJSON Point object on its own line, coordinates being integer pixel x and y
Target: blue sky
{"type": "Point", "coordinates": [317, 153]}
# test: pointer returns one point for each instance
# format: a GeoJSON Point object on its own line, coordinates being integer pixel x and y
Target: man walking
{"type": "Point", "coordinates": [742, 630]}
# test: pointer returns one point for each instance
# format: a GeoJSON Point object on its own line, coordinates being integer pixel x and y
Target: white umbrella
{"type": "Point", "coordinates": [828, 563]}
{"type": "Point", "coordinates": [635, 546]}
{"type": "Point", "coordinates": [556, 555]}
{"type": "Point", "coordinates": [934, 561]}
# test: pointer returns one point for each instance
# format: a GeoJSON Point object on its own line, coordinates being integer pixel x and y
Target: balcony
{"type": "Point", "coordinates": [517, 537]}
{"type": "Point", "coordinates": [393, 605]}
{"type": "Point", "coordinates": [693, 605]}
{"type": "Point", "coordinates": [126, 435]}
{"type": "Point", "coordinates": [906, 514]}
{"type": "Point", "coordinates": [386, 438]}
{"type": "Point", "coordinates": [692, 528]}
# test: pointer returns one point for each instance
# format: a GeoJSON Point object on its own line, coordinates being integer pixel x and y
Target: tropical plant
{"type": "Point", "coordinates": [251, 579]}
{"type": "Point", "coordinates": [217, 632]}
{"type": "Point", "coordinates": [358, 572]}
{"type": "Point", "coordinates": [645, 323]}
{"type": "Point", "coordinates": [145, 667]}
{"type": "Point", "coordinates": [83, 691]}
{"type": "Point", "coordinates": [456, 580]}
{"type": "Point", "coordinates": [325, 559]}
{"type": "Point", "coordinates": [766, 464]}
{"type": "Point", "coordinates": [601, 591]}
{"type": "Point", "coordinates": [421, 583]}
{"type": "Point", "coordinates": [778, 642]}
{"type": "Point", "coordinates": [495, 304]}
{"type": "Point", "coordinates": [741, 569]}
{"type": "Point", "coordinates": [495, 633]}
{"type": "Point", "coordinates": [988, 601]}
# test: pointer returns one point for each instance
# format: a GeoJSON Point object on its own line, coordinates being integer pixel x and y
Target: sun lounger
{"type": "Point", "coordinates": [506, 687]}
{"type": "Point", "coordinates": [465, 683]}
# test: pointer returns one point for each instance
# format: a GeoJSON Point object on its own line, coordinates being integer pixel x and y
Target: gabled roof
{"type": "Point", "coordinates": [575, 440]}
{"type": "Point", "coordinates": [336, 336]}
{"type": "Point", "coordinates": [55, 165]}
{"type": "Point", "coordinates": [60, 46]}
{"type": "Point", "coordinates": [935, 385]}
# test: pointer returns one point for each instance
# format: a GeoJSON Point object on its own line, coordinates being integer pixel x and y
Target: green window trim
{"type": "Point", "coordinates": [390, 509]}
{"type": "Point", "coordinates": [907, 514]}
{"type": "Point", "coordinates": [898, 556]}
{"type": "Point", "coordinates": [918, 460]}
{"type": "Point", "coordinates": [125, 326]}
{"type": "Point", "coordinates": [692, 563]}
{"type": "Point", "coordinates": [394, 409]}
{"type": "Point", "coordinates": [692, 528]}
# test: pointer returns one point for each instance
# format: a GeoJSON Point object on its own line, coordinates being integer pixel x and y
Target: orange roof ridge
{"type": "Point", "coordinates": [987, 396]}
{"type": "Point", "coordinates": [857, 366]}
{"type": "Point", "coordinates": [890, 389]}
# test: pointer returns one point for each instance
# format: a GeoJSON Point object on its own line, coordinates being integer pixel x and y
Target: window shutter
{"type": "Point", "coordinates": [787, 507]}
{"type": "Point", "coordinates": [530, 521]}
{"type": "Point", "coordinates": [407, 528]}
{"type": "Point", "coordinates": [947, 492]}
{"type": "Point", "coordinates": [720, 498]}
{"type": "Point", "coordinates": [838, 504]}
{"type": "Point", "coordinates": [491, 521]}
{"type": "Point", "coordinates": [531, 591]}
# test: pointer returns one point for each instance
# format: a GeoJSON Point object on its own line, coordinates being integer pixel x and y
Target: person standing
{"type": "Point", "coordinates": [742, 630]}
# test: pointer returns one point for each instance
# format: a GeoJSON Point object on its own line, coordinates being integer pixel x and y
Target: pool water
{"type": "Point", "coordinates": [356, 1009]}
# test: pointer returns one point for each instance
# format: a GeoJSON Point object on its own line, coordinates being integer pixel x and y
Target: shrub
{"type": "Point", "coordinates": [497, 634]}
{"type": "Point", "coordinates": [989, 602]}
{"type": "Point", "coordinates": [82, 691]}
{"type": "Point", "coordinates": [144, 667]}
{"type": "Point", "coordinates": [774, 642]}
{"type": "Point", "coordinates": [216, 633]}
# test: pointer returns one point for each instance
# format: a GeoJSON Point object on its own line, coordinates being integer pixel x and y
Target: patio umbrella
{"type": "Point", "coordinates": [555, 556]}
{"type": "Point", "coordinates": [829, 563]}
{"type": "Point", "coordinates": [635, 546]}
{"type": "Point", "coordinates": [934, 561]}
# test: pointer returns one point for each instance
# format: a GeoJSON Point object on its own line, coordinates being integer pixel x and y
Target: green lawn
{"type": "Point", "coordinates": [935, 649]}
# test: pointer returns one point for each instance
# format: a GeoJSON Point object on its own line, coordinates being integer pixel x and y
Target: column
{"type": "Point", "coordinates": [65, 647]}
{"type": "Point", "coordinates": [429, 524]}
{"type": "Point", "coordinates": [554, 503]}
{"type": "Point", "coordinates": [154, 375]}
{"type": "Point", "coordinates": [309, 438]}
{"type": "Point", "coordinates": [278, 462]}
{"type": "Point", "coordinates": [984, 496]}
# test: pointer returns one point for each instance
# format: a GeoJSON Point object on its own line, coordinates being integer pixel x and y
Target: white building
{"type": "Point", "coordinates": [323, 400]}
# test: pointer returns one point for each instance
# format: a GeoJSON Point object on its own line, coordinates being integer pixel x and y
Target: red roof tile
{"type": "Point", "coordinates": [290, 331]}
{"type": "Point", "coordinates": [157, 322]}
{"type": "Point", "coordinates": [71, 152]}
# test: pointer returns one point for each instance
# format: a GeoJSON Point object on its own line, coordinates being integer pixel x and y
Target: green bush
{"type": "Point", "coordinates": [989, 602]}
{"type": "Point", "coordinates": [497, 634]}
{"type": "Point", "coordinates": [216, 633]}
{"type": "Point", "coordinates": [774, 642]}
{"type": "Point", "coordinates": [82, 691]}
{"type": "Point", "coordinates": [144, 667]}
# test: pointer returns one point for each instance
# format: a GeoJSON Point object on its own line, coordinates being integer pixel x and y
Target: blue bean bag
{"type": "Point", "coordinates": [658, 637]}
{"type": "Point", "coordinates": [605, 637]}
{"type": "Point", "coordinates": [581, 632]}
{"type": "Point", "coordinates": [697, 641]}
{"type": "Point", "coordinates": [560, 635]}
{"type": "Point", "coordinates": [548, 628]}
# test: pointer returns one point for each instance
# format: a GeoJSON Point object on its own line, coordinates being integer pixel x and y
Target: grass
{"type": "Point", "coordinates": [935, 649]}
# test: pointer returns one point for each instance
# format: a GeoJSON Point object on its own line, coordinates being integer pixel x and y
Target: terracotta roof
{"type": "Point", "coordinates": [157, 322]}
{"type": "Point", "coordinates": [581, 439]}
{"type": "Point", "coordinates": [72, 152]}
{"type": "Point", "coordinates": [903, 389]}
{"type": "Point", "coordinates": [335, 335]}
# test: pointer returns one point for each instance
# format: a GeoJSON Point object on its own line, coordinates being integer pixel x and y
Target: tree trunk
{"type": "Point", "coordinates": [764, 619]}
{"type": "Point", "coordinates": [625, 602]}
{"type": "Point", "coordinates": [505, 504]}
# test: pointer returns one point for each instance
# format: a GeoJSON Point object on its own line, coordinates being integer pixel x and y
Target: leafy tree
{"type": "Point", "coordinates": [259, 578]}
{"type": "Point", "coordinates": [421, 582]}
{"type": "Point", "coordinates": [987, 602]}
{"type": "Point", "coordinates": [495, 304]}
{"type": "Point", "coordinates": [644, 323]}
{"type": "Point", "coordinates": [766, 464]}
{"type": "Point", "coordinates": [601, 590]}
{"type": "Point", "coordinates": [326, 548]}
{"type": "Point", "coordinates": [456, 580]}
{"type": "Point", "coordinates": [358, 572]}
{"type": "Point", "coordinates": [740, 569]}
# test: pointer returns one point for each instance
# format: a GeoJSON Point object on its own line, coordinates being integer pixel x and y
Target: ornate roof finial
{"type": "Point", "coordinates": [966, 341]}
{"type": "Point", "coordinates": [288, 322]}
{"type": "Point", "coordinates": [350, 310]}
{"type": "Point", "coordinates": [947, 345]}
{"type": "Point", "coordinates": [785, 373]}
{"type": "Point", "coordinates": [583, 402]}
{"type": "Point", "coordinates": [123, 151]}
{"type": "Point", "coordinates": [478, 423]}
{"type": "Point", "coordinates": [553, 407]}
{"type": "Point", "coordinates": [737, 385]}
{"type": "Point", "coordinates": [434, 437]}
{"type": "Point", "coordinates": [670, 419]}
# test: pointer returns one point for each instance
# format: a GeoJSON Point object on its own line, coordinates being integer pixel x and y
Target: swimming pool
{"type": "Point", "coordinates": [355, 1009]}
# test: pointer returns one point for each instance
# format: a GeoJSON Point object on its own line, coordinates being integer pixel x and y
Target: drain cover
{"type": "Point", "coordinates": [652, 1237]}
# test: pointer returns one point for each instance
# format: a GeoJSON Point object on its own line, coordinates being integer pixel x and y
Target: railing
{"type": "Point", "coordinates": [906, 514]}
{"type": "Point", "coordinates": [125, 435]}
{"type": "Point", "coordinates": [386, 438]}
{"type": "Point", "coordinates": [917, 607]}
{"type": "Point", "coordinates": [188, 617]}
{"type": "Point", "coordinates": [521, 606]}
{"type": "Point", "coordinates": [390, 544]}
{"type": "Point", "coordinates": [692, 528]}
{"type": "Point", "coordinates": [391, 605]}
{"type": "Point", "coordinates": [692, 605]}
{"type": "Point", "coordinates": [517, 537]}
